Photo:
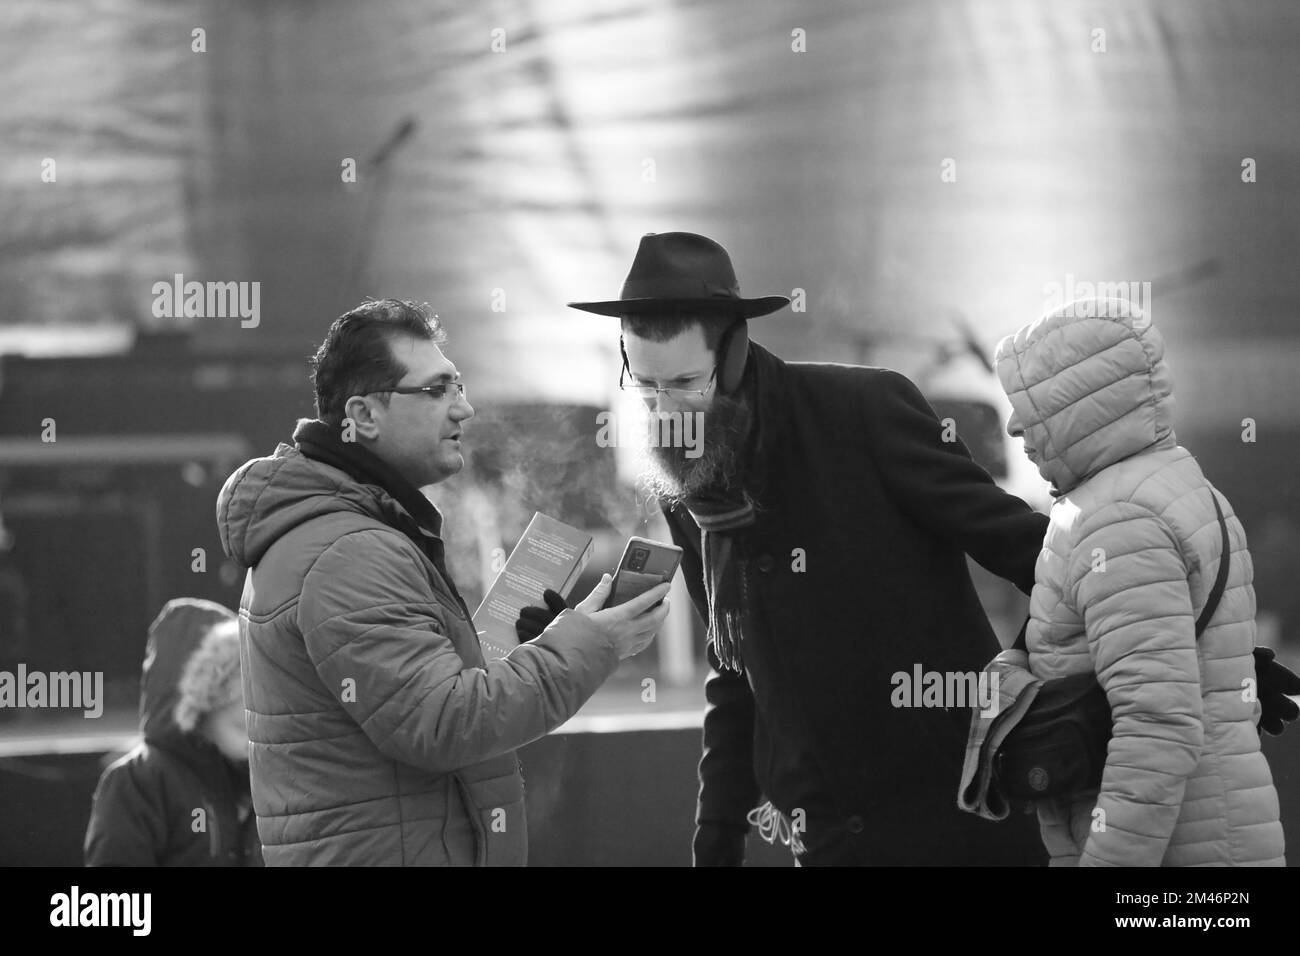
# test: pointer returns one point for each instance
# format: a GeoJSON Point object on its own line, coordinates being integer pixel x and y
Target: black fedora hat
{"type": "Point", "coordinates": [680, 271]}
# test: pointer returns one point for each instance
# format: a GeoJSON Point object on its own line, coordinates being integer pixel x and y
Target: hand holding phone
{"type": "Point", "coordinates": [629, 627]}
{"type": "Point", "coordinates": [644, 565]}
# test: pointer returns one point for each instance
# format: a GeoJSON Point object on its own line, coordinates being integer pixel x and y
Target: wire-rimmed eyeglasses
{"type": "Point", "coordinates": [647, 392]}
{"type": "Point", "coordinates": [438, 391]}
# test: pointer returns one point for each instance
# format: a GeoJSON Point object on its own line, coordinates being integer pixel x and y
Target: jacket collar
{"type": "Point", "coordinates": [423, 521]}
{"type": "Point", "coordinates": [321, 442]}
{"type": "Point", "coordinates": [770, 394]}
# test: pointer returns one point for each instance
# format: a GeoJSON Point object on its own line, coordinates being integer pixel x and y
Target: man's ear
{"type": "Point", "coordinates": [359, 419]}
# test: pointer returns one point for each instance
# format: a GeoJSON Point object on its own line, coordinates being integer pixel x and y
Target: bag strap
{"type": "Point", "coordinates": [1221, 580]}
{"type": "Point", "coordinates": [1216, 592]}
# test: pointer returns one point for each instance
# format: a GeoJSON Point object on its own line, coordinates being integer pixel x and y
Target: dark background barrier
{"type": "Point", "coordinates": [594, 799]}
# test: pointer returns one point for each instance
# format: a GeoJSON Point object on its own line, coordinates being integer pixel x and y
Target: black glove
{"type": "Point", "coordinates": [533, 620]}
{"type": "Point", "coordinates": [1273, 683]}
{"type": "Point", "coordinates": [719, 844]}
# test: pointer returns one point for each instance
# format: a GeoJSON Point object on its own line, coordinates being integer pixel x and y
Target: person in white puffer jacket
{"type": "Point", "coordinates": [1129, 559]}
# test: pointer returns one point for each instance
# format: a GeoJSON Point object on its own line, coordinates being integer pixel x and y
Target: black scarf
{"type": "Point", "coordinates": [322, 442]}
{"type": "Point", "coordinates": [720, 514]}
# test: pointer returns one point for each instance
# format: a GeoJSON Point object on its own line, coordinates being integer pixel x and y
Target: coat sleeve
{"type": "Point", "coordinates": [373, 627]}
{"type": "Point", "coordinates": [1128, 580]}
{"type": "Point", "coordinates": [942, 489]}
{"type": "Point", "coordinates": [128, 826]}
{"type": "Point", "coordinates": [728, 790]}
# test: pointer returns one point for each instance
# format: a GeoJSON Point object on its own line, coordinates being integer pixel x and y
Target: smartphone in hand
{"type": "Point", "coordinates": [644, 564]}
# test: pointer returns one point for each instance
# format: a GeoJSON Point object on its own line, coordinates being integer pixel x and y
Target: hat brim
{"type": "Point", "coordinates": [741, 308]}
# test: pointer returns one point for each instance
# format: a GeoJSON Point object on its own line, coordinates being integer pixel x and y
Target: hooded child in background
{"type": "Point", "coordinates": [181, 796]}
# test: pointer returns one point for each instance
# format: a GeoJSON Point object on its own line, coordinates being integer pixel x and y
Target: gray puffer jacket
{"type": "Point", "coordinates": [378, 732]}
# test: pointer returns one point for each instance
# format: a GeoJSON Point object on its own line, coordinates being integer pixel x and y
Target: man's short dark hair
{"type": "Point", "coordinates": [357, 356]}
{"type": "Point", "coordinates": [663, 326]}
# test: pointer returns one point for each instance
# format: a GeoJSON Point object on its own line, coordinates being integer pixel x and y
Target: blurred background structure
{"type": "Point", "coordinates": [918, 174]}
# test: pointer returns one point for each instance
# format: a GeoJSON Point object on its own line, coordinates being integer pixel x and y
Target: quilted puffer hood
{"type": "Point", "coordinates": [267, 497]}
{"type": "Point", "coordinates": [1089, 387]}
{"type": "Point", "coordinates": [174, 676]}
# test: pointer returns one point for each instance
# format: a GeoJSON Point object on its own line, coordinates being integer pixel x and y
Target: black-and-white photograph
{"type": "Point", "coordinates": [648, 433]}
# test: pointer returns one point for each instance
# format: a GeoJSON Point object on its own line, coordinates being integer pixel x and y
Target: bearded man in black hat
{"type": "Point", "coordinates": [825, 527]}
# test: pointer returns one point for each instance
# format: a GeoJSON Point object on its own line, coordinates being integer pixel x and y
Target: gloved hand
{"type": "Point", "coordinates": [719, 844]}
{"type": "Point", "coordinates": [1273, 683]}
{"type": "Point", "coordinates": [533, 620]}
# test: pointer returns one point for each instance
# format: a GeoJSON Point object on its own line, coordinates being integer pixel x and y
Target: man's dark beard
{"type": "Point", "coordinates": [672, 477]}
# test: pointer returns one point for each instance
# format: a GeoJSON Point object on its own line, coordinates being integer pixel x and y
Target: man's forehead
{"type": "Point", "coordinates": [686, 352]}
{"type": "Point", "coordinates": [422, 358]}
{"type": "Point", "coordinates": [690, 337]}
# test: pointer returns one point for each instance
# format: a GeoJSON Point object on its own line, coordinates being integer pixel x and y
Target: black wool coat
{"type": "Point", "coordinates": [145, 810]}
{"type": "Point", "coordinates": [852, 471]}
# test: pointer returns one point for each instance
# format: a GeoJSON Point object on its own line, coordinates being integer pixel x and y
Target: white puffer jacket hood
{"type": "Point", "coordinates": [1089, 386]}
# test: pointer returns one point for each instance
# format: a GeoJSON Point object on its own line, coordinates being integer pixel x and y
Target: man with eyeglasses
{"type": "Point", "coordinates": [378, 733]}
{"type": "Point", "coordinates": [825, 528]}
